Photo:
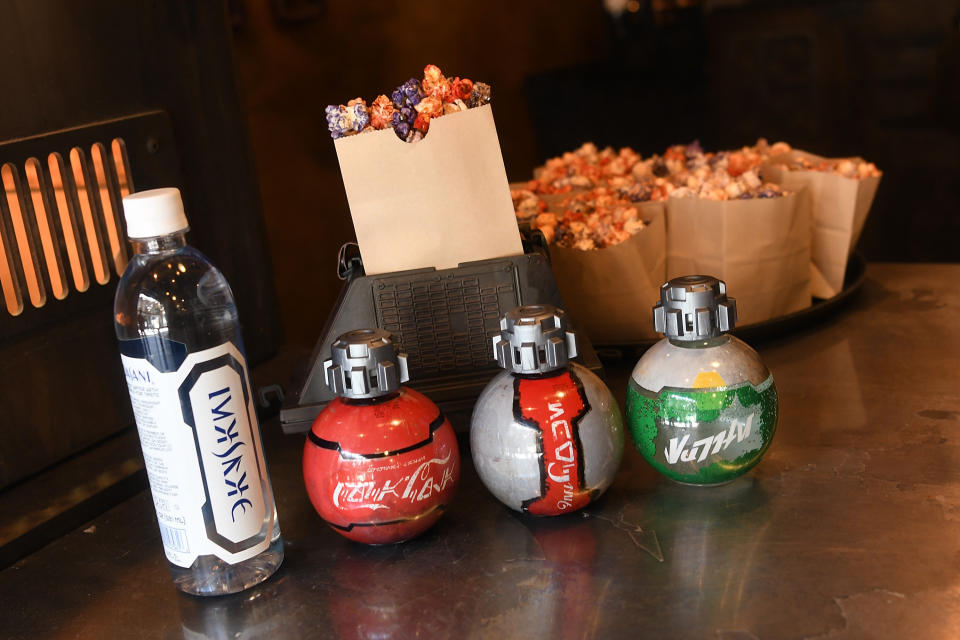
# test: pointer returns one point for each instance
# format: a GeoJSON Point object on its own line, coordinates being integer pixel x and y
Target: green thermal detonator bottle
{"type": "Point", "coordinates": [701, 406]}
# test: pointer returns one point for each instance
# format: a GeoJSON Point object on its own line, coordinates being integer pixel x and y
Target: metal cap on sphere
{"type": "Point", "coordinates": [694, 308]}
{"type": "Point", "coordinates": [365, 363]}
{"type": "Point", "coordinates": [534, 339]}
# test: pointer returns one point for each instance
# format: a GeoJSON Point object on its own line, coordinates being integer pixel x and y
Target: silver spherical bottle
{"type": "Point", "coordinates": [546, 434]}
{"type": "Point", "coordinates": [701, 405]}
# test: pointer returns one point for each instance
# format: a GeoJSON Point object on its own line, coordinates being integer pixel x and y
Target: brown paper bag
{"type": "Point", "coordinates": [433, 203]}
{"type": "Point", "coordinates": [609, 292]}
{"type": "Point", "coordinates": [838, 208]}
{"type": "Point", "coordinates": [759, 247]}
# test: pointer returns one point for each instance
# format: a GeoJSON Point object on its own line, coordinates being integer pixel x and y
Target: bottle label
{"type": "Point", "coordinates": [554, 407]}
{"type": "Point", "coordinates": [703, 435]}
{"type": "Point", "coordinates": [201, 447]}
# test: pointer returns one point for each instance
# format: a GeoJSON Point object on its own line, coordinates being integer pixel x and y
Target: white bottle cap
{"type": "Point", "coordinates": [157, 212]}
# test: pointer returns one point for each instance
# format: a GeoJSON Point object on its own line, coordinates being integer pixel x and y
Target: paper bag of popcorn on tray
{"type": "Point", "coordinates": [722, 219]}
{"type": "Point", "coordinates": [608, 256]}
{"type": "Point", "coordinates": [760, 247]}
{"type": "Point", "coordinates": [838, 193]}
{"type": "Point", "coordinates": [608, 290]}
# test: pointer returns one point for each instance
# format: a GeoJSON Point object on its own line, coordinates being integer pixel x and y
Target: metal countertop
{"type": "Point", "coordinates": [848, 528]}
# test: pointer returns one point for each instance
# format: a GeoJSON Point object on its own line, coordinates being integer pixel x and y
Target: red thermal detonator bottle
{"type": "Point", "coordinates": [381, 462]}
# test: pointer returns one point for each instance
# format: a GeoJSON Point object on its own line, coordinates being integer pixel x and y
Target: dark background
{"type": "Point", "coordinates": [872, 78]}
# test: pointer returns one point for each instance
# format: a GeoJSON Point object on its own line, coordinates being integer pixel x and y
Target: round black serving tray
{"type": "Point", "coordinates": [775, 327]}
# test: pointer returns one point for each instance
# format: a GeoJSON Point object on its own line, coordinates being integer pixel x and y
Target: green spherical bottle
{"type": "Point", "coordinates": [701, 405]}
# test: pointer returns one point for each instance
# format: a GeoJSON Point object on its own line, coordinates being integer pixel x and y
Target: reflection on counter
{"type": "Point", "coordinates": [388, 592]}
{"type": "Point", "coordinates": [709, 539]}
{"type": "Point", "coordinates": [255, 613]}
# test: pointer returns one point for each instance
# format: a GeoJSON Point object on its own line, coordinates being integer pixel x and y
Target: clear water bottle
{"type": "Point", "coordinates": [184, 362]}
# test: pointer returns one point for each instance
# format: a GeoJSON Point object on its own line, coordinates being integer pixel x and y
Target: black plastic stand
{"type": "Point", "coordinates": [443, 320]}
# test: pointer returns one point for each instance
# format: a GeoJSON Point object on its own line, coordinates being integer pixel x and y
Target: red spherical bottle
{"type": "Point", "coordinates": [381, 462]}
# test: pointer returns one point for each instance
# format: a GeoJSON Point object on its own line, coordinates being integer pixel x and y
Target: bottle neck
{"type": "Point", "coordinates": [160, 244]}
{"type": "Point", "coordinates": [701, 344]}
{"type": "Point", "coordinates": [545, 374]}
{"type": "Point", "coordinates": [387, 397]}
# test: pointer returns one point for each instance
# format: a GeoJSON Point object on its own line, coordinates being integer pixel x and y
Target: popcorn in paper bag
{"type": "Point", "coordinates": [838, 193]}
{"type": "Point", "coordinates": [424, 176]}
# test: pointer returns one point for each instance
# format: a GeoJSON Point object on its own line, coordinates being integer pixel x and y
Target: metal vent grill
{"type": "Point", "coordinates": [61, 226]}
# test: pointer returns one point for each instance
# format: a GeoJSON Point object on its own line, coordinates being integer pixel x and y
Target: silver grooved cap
{"type": "Point", "coordinates": [694, 308]}
{"type": "Point", "coordinates": [534, 339]}
{"type": "Point", "coordinates": [365, 363]}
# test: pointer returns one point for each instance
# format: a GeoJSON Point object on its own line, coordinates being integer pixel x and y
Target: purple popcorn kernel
{"type": "Point", "coordinates": [407, 94]}
{"type": "Point", "coordinates": [402, 122]}
{"type": "Point", "coordinates": [360, 117]}
{"type": "Point", "coordinates": [402, 129]}
{"type": "Point", "coordinates": [414, 92]}
{"type": "Point", "coordinates": [403, 119]}
{"type": "Point", "coordinates": [336, 121]}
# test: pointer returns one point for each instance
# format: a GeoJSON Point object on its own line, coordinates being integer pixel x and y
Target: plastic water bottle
{"type": "Point", "coordinates": [184, 362]}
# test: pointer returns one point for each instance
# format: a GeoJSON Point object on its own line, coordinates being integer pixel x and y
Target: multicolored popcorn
{"type": "Point", "coordinates": [604, 186]}
{"type": "Point", "coordinates": [479, 96]}
{"type": "Point", "coordinates": [461, 88]}
{"type": "Point", "coordinates": [337, 120]}
{"type": "Point", "coordinates": [408, 94]}
{"type": "Point", "coordinates": [592, 219]}
{"type": "Point", "coordinates": [435, 84]}
{"type": "Point", "coordinates": [584, 168]}
{"type": "Point", "coordinates": [410, 107]}
{"type": "Point", "coordinates": [381, 112]}
{"type": "Point", "coordinates": [403, 119]}
{"type": "Point", "coordinates": [347, 120]}
{"type": "Point", "coordinates": [637, 191]}
{"type": "Point", "coordinates": [526, 204]}
{"type": "Point", "coordinates": [724, 175]}
{"type": "Point", "coordinates": [422, 123]}
{"type": "Point", "coordinates": [429, 107]}
{"type": "Point", "coordinates": [682, 170]}
{"type": "Point", "coordinates": [846, 167]}
{"type": "Point", "coordinates": [453, 107]}
{"type": "Point", "coordinates": [723, 186]}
